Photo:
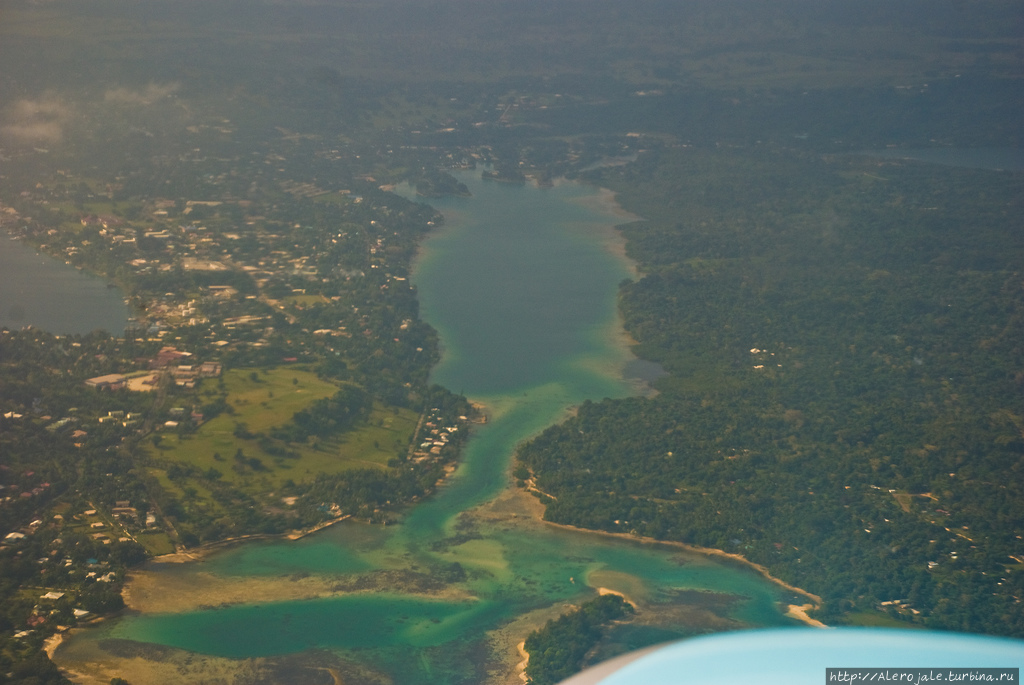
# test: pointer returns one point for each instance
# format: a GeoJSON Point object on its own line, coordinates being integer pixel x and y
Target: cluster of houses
{"type": "Point", "coordinates": [178, 414]}
{"type": "Point", "coordinates": [105, 221]}
{"type": "Point", "coordinates": [111, 229]}
{"type": "Point", "coordinates": [126, 419]}
{"type": "Point", "coordinates": [899, 605]}
{"type": "Point", "coordinates": [50, 601]}
{"type": "Point", "coordinates": [100, 528]}
{"type": "Point", "coordinates": [10, 493]}
{"type": "Point", "coordinates": [434, 437]}
{"type": "Point", "coordinates": [100, 531]}
{"type": "Point", "coordinates": [162, 313]}
{"type": "Point", "coordinates": [184, 375]}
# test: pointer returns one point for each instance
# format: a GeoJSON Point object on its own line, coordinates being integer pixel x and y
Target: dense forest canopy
{"type": "Point", "coordinates": [843, 341]}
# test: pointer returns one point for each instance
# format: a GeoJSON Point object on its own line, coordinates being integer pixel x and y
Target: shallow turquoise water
{"type": "Point", "coordinates": [354, 621]}
{"type": "Point", "coordinates": [315, 555]}
{"type": "Point", "coordinates": [523, 293]}
{"type": "Point", "coordinates": [522, 288]}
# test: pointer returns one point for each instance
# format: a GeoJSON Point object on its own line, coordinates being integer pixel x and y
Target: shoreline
{"type": "Point", "coordinates": [527, 507]}
{"type": "Point", "coordinates": [706, 551]}
{"type": "Point", "coordinates": [602, 591]}
{"type": "Point", "coordinates": [200, 553]}
{"type": "Point", "coordinates": [610, 236]}
{"type": "Point", "coordinates": [51, 643]}
{"type": "Point", "coordinates": [612, 240]}
{"type": "Point", "coordinates": [799, 612]}
{"type": "Point", "coordinates": [521, 666]}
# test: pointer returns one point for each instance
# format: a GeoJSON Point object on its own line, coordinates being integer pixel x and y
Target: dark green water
{"type": "Point", "coordinates": [521, 284]}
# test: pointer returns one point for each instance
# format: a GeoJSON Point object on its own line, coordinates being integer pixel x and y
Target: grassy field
{"type": "Point", "coordinates": [876, 619]}
{"type": "Point", "coordinates": [269, 401]}
{"type": "Point", "coordinates": [156, 542]}
{"type": "Point", "coordinates": [304, 300]}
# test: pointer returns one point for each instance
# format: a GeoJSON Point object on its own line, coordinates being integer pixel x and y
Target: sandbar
{"type": "Point", "coordinates": [799, 612]}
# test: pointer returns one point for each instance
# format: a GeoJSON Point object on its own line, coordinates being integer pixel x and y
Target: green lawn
{"type": "Point", "coordinates": [304, 300]}
{"type": "Point", "coordinates": [268, 402]}
{"type": "Point", "coordinates": [156, 542]}
{"type": "Point", "coordinates": [876, 619]}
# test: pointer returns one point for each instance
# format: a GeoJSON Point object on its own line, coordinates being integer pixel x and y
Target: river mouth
{"type": "Point", "coordinates": [522, 285]}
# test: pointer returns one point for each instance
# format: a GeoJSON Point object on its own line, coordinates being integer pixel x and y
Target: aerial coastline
{"type": "Point", "coordinates": [776, 376]}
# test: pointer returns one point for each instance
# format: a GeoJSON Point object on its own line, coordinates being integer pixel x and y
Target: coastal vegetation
{"type": "Point", "coordinates": [558, 650]}
{"type": "Point", "coordinates": [841, 335]}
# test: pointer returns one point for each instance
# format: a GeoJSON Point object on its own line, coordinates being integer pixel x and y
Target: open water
{"type": "Point", "coordinates": [38, 290]}
{"type": "Point", "coordinates": [521, 283]}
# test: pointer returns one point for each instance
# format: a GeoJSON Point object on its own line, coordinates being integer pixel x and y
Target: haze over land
{"type": "Point", "coordinates": [835, 336]}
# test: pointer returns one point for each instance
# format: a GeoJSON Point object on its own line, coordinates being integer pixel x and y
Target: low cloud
{"type": "Point", "coordinates": [140, 96]}
{"type": "Point", "coordinates": [51, 117]}
{"type": "Point", "coordinates": [36, 121]}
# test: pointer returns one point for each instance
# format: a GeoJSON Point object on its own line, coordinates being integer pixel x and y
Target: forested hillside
{"type": "Point", "coordinates": [844, 338]}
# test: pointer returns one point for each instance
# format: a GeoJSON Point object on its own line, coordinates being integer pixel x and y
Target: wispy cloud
{"type": "Point", "coordinates": [149, 95]}
{"type": "Point", "coordinates": [49, 118]}
{"type": "Point", "coordinates": [36, 121]}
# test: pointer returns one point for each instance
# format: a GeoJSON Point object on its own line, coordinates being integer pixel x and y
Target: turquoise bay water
{"type": "Point", "coordinates": [353, 621]}
{"type": "Point", "coordinates": [522, 287]}
{"type": "Point", "coordinates": [37, 290]}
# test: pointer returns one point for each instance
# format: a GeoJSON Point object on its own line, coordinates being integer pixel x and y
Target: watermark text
{"type": "Point", "coordinates": [921, 676]}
